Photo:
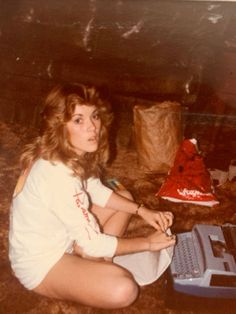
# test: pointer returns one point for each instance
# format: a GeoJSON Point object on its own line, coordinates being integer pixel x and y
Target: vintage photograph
{"type": "Point", "coordinates": [117, 157]}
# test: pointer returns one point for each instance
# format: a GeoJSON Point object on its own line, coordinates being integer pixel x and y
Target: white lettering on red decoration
{"type": "Point", "coordinates": [186, 192]}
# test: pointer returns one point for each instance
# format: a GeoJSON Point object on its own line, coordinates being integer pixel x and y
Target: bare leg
{"type": "Point", "coordinates": [94, 283]}
{"type": "Point", "coordinates": [113, 222]}
{"type": "Point", "coordinates": [97, 284]}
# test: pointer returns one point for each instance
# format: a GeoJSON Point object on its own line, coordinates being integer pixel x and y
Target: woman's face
{"type": "Point", "coordinates": [84, 129]}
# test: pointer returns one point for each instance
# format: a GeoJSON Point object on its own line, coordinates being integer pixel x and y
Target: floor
{"type": "Point", "coordinates": [155, 298]}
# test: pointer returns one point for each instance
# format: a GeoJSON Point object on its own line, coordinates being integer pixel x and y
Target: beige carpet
{"type": "Point", "coordinates": [156, 298]}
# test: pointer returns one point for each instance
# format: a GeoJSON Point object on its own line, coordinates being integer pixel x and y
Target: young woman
{"type": "Point", "coordinates": [65, 225]}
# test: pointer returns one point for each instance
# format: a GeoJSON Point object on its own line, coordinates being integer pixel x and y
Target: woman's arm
{"type": "Point", "coordinates": [154, 242]}
{"type": "Point", "coordinates": [157, 219]}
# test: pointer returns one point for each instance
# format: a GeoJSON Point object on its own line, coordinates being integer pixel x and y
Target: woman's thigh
{"type": "Point", "coordinates": [93, 283]}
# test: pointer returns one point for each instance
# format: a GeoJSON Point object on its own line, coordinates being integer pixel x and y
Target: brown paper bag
{"type": "Point", "coordinates": [157, 135]}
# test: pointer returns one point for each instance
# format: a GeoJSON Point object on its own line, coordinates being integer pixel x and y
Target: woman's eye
{"type": "Point", "coordinates": [78, 120]}
{"type": "Point", "coordinates": [96, 116]}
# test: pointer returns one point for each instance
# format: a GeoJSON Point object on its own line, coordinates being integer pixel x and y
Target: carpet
{"type": "Point", "coordinates": [155, 298]}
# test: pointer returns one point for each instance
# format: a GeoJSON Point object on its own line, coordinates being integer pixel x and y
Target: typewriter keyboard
{"type": "Point", "coordinates": [184, 264]}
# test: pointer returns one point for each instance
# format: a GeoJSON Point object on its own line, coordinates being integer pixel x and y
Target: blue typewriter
{"type": "Point", "coordinates": [204, 262]}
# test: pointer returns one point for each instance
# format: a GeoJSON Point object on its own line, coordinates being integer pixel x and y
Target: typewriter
{"type": "Point", "coordinates": [204, 262]}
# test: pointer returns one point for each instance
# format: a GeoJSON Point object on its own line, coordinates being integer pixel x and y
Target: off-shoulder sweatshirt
{"type": "Point", "coordinates": [48, 215]}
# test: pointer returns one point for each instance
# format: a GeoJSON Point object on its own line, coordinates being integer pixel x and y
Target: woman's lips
{"type": "Point", "coordinates": [93, 139]}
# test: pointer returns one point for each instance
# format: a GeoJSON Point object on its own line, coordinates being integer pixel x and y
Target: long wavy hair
{"type": "Point", "coordinates": [53, 142]}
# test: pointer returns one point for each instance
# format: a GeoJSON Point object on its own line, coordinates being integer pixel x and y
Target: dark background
{"type": "Point", "coordinates": [181, 50]}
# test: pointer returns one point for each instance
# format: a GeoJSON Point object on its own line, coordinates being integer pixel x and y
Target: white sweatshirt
{"type": "Point", "coordinates": [48, 215]}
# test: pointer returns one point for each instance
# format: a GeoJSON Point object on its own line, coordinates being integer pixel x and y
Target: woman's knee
{"type": "Point", "coordinates": [125, 292]}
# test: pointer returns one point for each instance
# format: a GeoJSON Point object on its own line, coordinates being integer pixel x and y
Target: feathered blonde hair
{"type": "Point", "coordinates": [53, 142]}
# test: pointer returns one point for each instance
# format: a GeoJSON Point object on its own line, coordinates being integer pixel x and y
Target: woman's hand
{"type": "Point", "coordinates": [159, 220]}
{"type": "Point", "coordinates": [159, 240]}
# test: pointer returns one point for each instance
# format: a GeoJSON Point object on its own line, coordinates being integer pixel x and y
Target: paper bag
{"type": "Point", "coordinates": [146, 267]}
{"type": "Point", "coordinates": [157, 135]}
